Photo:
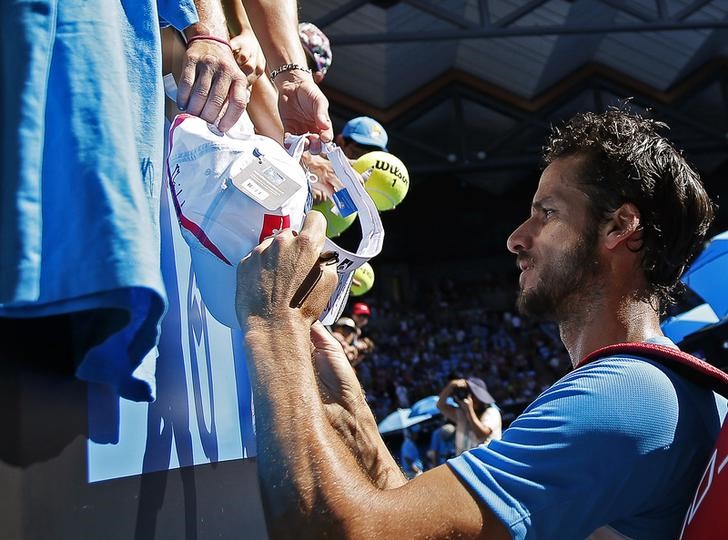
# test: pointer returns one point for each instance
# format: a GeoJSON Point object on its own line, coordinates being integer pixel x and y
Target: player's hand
{"type": "Point", "coordinates": [211, 80]}
{"type": "Point", "coordinates": [337, 380]}
{"type": "Point", "coordinates": [271, 279]}
{"type": "Point", "coordinates": [248, 55]}
{"type": "Point", "coordinates": [340, 391]}
{"type": "Point", "coordinates": [303, 107]}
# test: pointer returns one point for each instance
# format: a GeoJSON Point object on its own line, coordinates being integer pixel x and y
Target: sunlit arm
{"type": "Point", "coordinates": [358, 431]}
{"type": "Point", "coordinates": [276, 24]}
{"type": "Point", "coordinates": [311, 483]}
{"type": "Point", "coordinates": [302, 106]}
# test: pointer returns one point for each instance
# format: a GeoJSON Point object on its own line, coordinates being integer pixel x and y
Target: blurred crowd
{"type": "Point", "coordinates": [449, 333]}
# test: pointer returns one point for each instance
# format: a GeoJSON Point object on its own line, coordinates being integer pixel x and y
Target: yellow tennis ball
{"type": "Point", "coordinates": [389, 180]}
{"type": "Point", "coordinates": [363, 280]}
{"type": "Point", "coordinates": [335, 224]}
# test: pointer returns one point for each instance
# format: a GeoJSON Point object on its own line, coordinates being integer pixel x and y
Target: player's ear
{"type": "Point", "coordinates": [624, 227]}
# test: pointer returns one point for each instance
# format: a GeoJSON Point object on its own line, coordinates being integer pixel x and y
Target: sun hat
{"type": "Point", "coordinates": [480, 390]}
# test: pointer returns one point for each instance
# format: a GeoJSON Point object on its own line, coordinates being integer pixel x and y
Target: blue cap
{"type": "Point", "coordinates": [366, 131]}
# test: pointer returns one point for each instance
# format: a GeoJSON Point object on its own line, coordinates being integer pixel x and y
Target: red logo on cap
{"type": "Point", "coordinates": [273, 224]}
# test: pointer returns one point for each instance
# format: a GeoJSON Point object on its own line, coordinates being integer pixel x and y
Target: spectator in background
{"type": "Point", "coordinates": [442, 445]}
{"type": "Point", "coordinates": [360, 313]}
{"type": "Point", "coordinates": [410, 455]}
{"type": "Point", "coordinates": [318, 49]}
{"type": "Point", "coordinates": [477, 419]}
{"type": "Point", "coordinates": [362, 135]}
{"type": "Point", "coordinates": [344, 330]}
{"type": "Point", "coordinates": [400, 390]}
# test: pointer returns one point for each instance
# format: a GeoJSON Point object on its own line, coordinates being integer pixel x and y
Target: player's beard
{"type": "Point", "coordinates": [562, 282]}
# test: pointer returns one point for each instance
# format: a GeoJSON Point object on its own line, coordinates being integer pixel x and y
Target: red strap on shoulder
{"type": "Point", "coordinates": [706, 517]}
{"type": "Point", "coordinates": [681, 362]}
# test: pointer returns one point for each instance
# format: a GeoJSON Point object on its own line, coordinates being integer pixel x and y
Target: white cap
{"type": "Point", "coordinates": [220, 222]}
{"type": "Point", "coordinates": [231, 192]}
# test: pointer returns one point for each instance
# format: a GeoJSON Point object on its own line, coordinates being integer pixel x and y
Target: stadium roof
{"type": "Point", "coordinates": [467, 89]}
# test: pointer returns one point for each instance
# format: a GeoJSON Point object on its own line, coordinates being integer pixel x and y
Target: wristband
{"type": "Point", "coordinates": [209, 38]}
{"type": "Point", "coordinates": [287, 67]}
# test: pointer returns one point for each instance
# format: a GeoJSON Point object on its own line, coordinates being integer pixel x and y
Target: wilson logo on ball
{"type": "Point", "coordinates": [393, 169]}
{"type": "Point", "coordinates": [388, 182]}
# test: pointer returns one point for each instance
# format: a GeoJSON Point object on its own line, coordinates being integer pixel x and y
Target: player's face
{"type": "Point", "coordinates": [556, 246]}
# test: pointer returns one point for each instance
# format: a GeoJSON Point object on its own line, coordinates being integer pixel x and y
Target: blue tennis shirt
{"type": "Point", "coordinates": [619, 443]}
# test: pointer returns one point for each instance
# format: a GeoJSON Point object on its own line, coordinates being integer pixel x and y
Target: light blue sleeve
{"type": "Point", "coordinates": [583, 455]}
{"type": "Point", "coordinates": [178, 13]}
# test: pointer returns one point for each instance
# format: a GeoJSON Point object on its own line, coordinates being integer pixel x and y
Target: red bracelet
{"type": "Point", "coordinates": [209, 38]}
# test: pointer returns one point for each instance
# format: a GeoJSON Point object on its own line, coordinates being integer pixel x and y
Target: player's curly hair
{"type": "Point", "coordinates": [627, 160]}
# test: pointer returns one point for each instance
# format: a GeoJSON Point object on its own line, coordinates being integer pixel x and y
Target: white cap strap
{"type": "Point", "coordinates": [371, 226]}
{"type": "Point", "coordinates": [295, 145]}
{"type": "Point", "coordinates": [353, 198]}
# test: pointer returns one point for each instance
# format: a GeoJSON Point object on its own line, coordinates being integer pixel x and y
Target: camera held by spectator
{"type": "Point", "coordinates": [477, 418]}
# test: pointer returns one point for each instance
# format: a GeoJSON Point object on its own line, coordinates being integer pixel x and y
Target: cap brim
{"type": "Point", "coordinates": [366, 141]}
{"type": "Point", "coordinates": [338, 300]}
{"type": "Point", "coordinates": [217, 282]}
{"type": "Point", "coordinates": [482, 395]}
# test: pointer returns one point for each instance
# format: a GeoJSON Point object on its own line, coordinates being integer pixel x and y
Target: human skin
{"type": "Point", "coordinates": [303, 107]}
{"type": "Point", "coordinates": [316, 477]}
{"type": "Point", "coordinates": [311, 477]}
{"type": "Point", "coordinates": [211, 85]}
{"type": "Point", "coordinates": [610, 307]}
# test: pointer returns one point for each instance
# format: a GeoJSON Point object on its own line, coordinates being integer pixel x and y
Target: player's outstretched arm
{"type": "Point", "coordinates": [311, 483]}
